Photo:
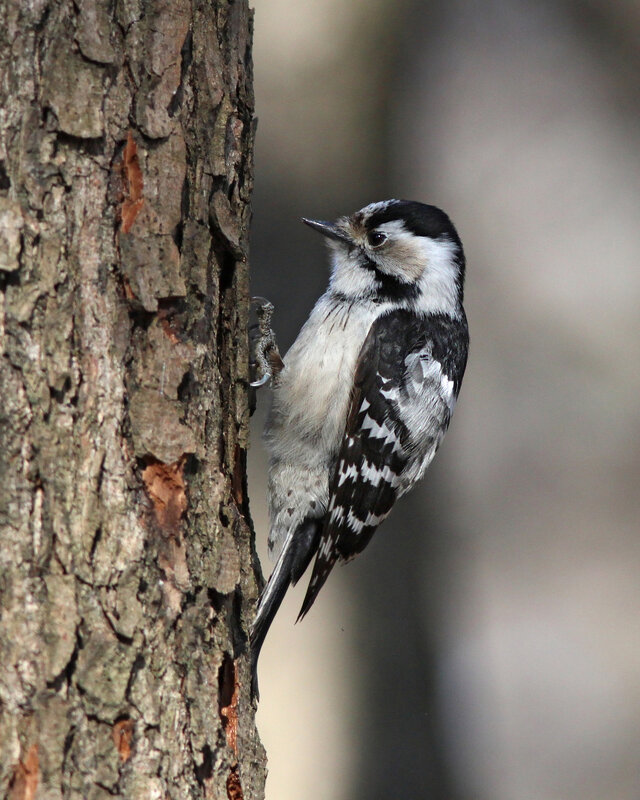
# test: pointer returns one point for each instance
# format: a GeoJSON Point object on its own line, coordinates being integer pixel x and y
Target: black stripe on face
{"type": "Point", "coordinates": [388, 287]}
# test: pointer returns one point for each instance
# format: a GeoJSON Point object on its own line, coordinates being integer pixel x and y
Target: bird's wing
{"type": "Point", "coordinates": [406, 380]}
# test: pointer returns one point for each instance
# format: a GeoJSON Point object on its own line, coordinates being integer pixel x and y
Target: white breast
{"type": "Point", "coordinates": [310, 400]}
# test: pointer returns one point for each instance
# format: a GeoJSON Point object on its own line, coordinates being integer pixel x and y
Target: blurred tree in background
{"type": "Point", "coordinates": [486, 646]}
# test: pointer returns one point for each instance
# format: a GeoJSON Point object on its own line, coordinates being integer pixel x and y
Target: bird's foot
{"type": "Point", "coordinates": [265, 361]}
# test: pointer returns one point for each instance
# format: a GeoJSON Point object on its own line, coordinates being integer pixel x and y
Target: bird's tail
{"type": "Point", "coordinates": [294, 559]}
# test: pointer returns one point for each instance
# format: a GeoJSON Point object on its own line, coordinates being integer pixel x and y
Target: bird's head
{"type": "Point", "coordinates": [397, 250]}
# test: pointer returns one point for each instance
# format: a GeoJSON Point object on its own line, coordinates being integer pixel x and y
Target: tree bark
{"type": "Point", "coordinates": [128, 574]}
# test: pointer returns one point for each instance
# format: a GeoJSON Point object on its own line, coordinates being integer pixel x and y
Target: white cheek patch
{"type": "Point", "coordinates": [348, 277]}
{"type": "Point", "coordinates": [439, 281]}
{"type": "Point", "coordinates": [418, 259]}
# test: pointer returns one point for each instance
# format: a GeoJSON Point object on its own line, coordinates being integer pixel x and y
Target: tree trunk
{"type": "Point", "coordinates": [128, 572]}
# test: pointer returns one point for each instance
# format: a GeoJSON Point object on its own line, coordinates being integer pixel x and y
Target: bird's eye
{"type": "Point", "coordinates": [375, 238]}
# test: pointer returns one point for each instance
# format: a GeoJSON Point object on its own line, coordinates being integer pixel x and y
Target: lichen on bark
{"type": "Point", "coordinates": [127, 570]}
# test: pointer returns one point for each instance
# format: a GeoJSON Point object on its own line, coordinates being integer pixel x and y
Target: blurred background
{"type": "Point", "coordinates": [486, 646]}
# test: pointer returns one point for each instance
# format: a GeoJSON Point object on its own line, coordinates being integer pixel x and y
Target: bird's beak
{"type": "Point", "coordinates": [328, 229]}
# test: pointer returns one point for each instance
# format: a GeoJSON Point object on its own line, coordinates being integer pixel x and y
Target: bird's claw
{"type": "Point", "coordinates": [263, 380]}
{"type": "Point", "coordinates": [265, 360]}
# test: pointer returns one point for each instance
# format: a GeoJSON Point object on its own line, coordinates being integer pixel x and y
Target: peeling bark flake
{"type": "Point", "coordinates": [25, 779]}
{"type": "Point", "coordinates": [166, 489]}
{"type": "Point", "coordinates": [122, 734]}
{"type": "Point", "coordinates": [133, 199]}
{"type": "Point", "coordinates": [229, 687]}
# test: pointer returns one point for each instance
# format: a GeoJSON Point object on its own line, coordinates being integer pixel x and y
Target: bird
{"type": "Point", "coordinates": [364, 396]}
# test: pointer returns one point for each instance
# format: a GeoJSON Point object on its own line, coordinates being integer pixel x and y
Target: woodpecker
{"type": "Point", "coordinates": [364, 396]}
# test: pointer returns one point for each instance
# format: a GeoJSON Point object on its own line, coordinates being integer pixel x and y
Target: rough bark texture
{"type": "Point", "coordinates": [127, 572]}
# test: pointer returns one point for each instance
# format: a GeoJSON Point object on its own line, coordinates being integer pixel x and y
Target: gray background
{"type": "Point", "coordinates": [486, 646]}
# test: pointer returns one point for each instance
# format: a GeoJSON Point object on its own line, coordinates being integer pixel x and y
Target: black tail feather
{"type": "Point", "coordinates": [321, 570]}
{"type": "Point", "coordinates": [262, 623]}
{"type": "Point", "coordinates": [290, 567]}
{"type": "Point", "coordinates": [304, 546]}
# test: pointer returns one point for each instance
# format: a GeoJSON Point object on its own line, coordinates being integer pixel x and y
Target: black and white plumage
{"type": "Point", "coordinates": [365, 394]}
